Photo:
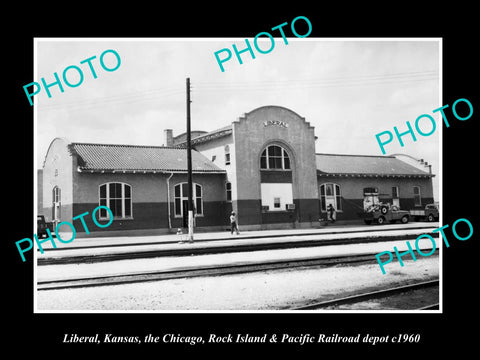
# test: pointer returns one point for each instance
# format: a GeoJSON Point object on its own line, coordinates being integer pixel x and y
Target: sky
{"type": "Point", "coordinates": [348, 89]}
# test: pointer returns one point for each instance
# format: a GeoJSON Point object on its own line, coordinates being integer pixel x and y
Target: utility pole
{"type": "Point", "coordinates": [189, 166]}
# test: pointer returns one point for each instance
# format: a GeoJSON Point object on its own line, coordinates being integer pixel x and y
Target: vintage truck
{"type": "Point", "coordinates": [42, 226]}
{"type": "Point", "coordinates": [430, 213]}
{"type": "Point", "coordinates": [380, 213]}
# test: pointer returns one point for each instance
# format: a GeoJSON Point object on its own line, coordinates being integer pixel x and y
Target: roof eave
{"type": "Point", "coordinates": [147, 171]}
{"type": "Point", "coordinates": [322, 173]}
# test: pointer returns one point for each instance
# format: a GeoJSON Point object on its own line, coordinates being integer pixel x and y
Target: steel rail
{"type": "Point", "coordinates": [435, 306]}
{"type": "Point", "coordinates": [371, 295]}
{"type": "Point", "coordinates": [207, 270]}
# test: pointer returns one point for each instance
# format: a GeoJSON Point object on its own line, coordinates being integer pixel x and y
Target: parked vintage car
{"type": "Point", "coordinates": [430, 213]}
{"type": "Point", "coordinates": [380, 213]}
{"type": "Point", "coordinates": [42, 226]}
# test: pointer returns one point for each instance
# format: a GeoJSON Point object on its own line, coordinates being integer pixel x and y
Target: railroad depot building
{"type": "Point", "coordinates": [263, 166]}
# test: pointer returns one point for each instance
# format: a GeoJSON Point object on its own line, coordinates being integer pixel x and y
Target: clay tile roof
{"type": "Point", "coordinates": [99, 157]}
{"type": "Point", "coordinates": [365, 165]}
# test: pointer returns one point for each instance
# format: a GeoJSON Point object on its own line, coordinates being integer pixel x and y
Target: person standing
{"type": "Point", "coordinates": [233, 223]}
{"type": "Point", "coordinates": [331, 212]}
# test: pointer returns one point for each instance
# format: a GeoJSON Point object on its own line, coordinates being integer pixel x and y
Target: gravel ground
{"type": "Point", "coordinates": [129, 266]}
{"type": "Point", "coordinates": [271, 290]}
{"type": "Point", "coordinates": [407, 300]}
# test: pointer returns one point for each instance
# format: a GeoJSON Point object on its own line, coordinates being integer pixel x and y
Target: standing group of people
{"type": "Point", "coordinates": [234, 226]}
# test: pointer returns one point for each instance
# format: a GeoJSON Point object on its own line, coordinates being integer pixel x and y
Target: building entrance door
{"type": "Point", "coordinates": [330, 201]}
{"type": "Point", "coordinates": [395, 196]}
{"type": "Point", "coordinates": [370, 197]}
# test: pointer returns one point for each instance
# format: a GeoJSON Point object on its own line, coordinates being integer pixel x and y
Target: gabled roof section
{"type": "Point", "coordinates": [133, 158]}
{"type": "Point", "coordinates": [366, 165]}
{"type": "Point", "coordinates": [179, 139]}
{"type": "Point", "coordinates": [224, 131]}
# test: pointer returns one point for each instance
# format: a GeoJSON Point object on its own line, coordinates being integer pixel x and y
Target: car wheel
{"type": "Point", "coordinates": [381, 220]}
{"type": "Point", "coordinates": [430, 217]}
{"type": "Point", "coordinates": [384, 210]}
{"type": "Point", "coordinates": [404, 219]}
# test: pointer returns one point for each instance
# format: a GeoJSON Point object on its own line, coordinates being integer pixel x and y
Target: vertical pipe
{"type": "Point", "coordinates": [168, 202]}
{"type": "Point", "coordinates": [189, 166]}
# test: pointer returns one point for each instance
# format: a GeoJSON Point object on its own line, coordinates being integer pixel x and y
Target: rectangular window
{"type": "Point", "coordinates": [370, 191]}
{"type": "Point", "coordinates": [329, 189]}
{"type": "Point", "coordinates": [111, 192]}
{"type": "Point", "coordinates": [227, 155]}
{"type": "Point", "coordinates": [271, 163]}
{"type": "Point", "coordinates": [263, 162]}
{"type": "Point", "coordinates": [103, 192]}
{"type": "Point", "coordinates": [198, 200]}
{"type": "Point", "coordinates": [276, 203]}
{"type": "Point", "coordinates": [286, 160]}
{"type": "Point", "coordinates": [338, 197]}
{"type": "Point", "coordinates": [395, 192]}
{"type": "Point", "coordinates": [185, 190]}
{"type": "Point", "coordinates": [198, 206]}
{"type": "Point", "coordinates": [178, 206]}
{"type": "Point", "coordinates": [228, 189]}
{"type": "Point", "coordinates": [323, 204]}
{"type": "Point", "coordinates": [278, 163]}
{"type": "Point", "coordinates": [116, 207]}
{"type": "Point", "coordinates": [103, 200]}
{"type": "Point", "coordinates": [128, 210]}
{"type": "Point", "coordinates": [103, 212]}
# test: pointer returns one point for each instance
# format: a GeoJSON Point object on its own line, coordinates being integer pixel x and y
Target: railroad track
{"type": "Point", "coordinates": [203, 250]}
{"type": "Point", "coordinates": [373, 295]}
{"type": "Point", "coordinates": [208, 270]}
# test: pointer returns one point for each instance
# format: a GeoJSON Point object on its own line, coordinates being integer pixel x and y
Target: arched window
{"type": "Point", "coordinates": [181, 199]}
{"type": "Point", "coordinates": [56, 195]}
{"type": "Point", "coordinates": [330, 194]}
{"type": "Point", "coordinates": [117, 197]}
{"type": "Point", "coordinates": [274, 157]}
{"type": "Point", "coordinates": [56, 204]}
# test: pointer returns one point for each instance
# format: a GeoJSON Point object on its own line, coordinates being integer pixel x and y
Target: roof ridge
{"type": "Point", "coordinates": [129, 145]}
